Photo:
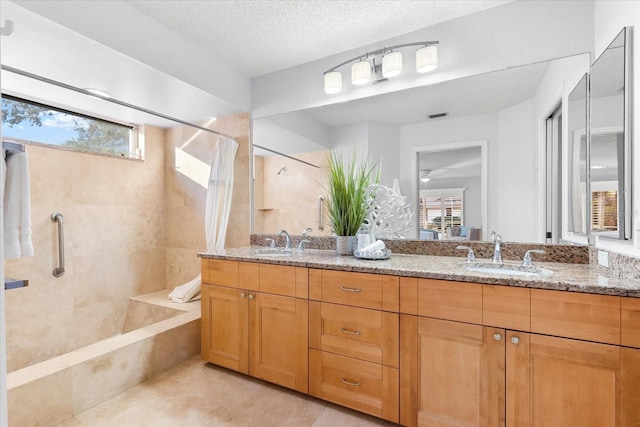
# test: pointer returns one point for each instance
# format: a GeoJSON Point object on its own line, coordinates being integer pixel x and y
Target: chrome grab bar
{"type": "Point", "coordinates": [320, 203]}
{"type": "Point", "coordinates": [59, 271]}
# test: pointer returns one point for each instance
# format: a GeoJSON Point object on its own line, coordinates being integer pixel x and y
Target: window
{"type": "Point", "coordinates": [604, 210]}
{"type": "Point", "coordinates": [27, 121]}
{"type": "Point", "coordinates": [440, 209]}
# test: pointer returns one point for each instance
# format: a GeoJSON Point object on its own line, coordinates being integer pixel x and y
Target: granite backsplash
{"type": "Point", "coordinates": [571, 254]}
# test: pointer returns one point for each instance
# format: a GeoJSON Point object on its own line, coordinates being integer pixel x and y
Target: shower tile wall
{"type": "Point", "coordinates": [130, 228]}
{"type": "Point", "coordinates": [185, 198]}
{"type": "Point", "coordinates": [290, 199]}
{"type": "Point", "coordinates": [114, 219]}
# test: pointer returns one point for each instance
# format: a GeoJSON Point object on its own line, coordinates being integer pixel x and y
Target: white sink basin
{"type": "Point", "coordinates": [269, 252]}
{"type": "Point", "coordinates": [507, 269]}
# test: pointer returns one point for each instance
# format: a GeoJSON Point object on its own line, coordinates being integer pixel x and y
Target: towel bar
{"type": "Point", "coordinates": [57, 217]}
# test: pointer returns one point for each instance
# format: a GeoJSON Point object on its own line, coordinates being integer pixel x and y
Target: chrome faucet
{"type": "Point", "coordinates": [497, 248]}
{"type": "Point", "coordinates": [301, 245]}
{"type": "Point", "coordinates": [287, 244]}
{"type": "Point", "coordinates": [306, 232]}
{"type": "Point", "coordinates": [526, 261]}
{"type": "Point", "coordinates": [471, 258]}
{"type": "Point", "coordinates": [272, 245]}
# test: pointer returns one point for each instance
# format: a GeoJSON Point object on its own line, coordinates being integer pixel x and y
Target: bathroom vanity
{"type": "Point", "coordinates": [420, 340]}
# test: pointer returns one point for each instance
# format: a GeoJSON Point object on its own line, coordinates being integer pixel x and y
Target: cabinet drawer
{"type": "Point", "coordinates": [284, 280]}
{"type": "Point", "coordinates": [630, 322]}
{"type": "Point", "coordinates": [506, 307]}
{"type": "Point", "coordinates": [363, 386]}
{"type": "Point", "coordinates": [364, 334]}
{"type": "Point", "coordinates": [220, 272]}
{"type": "Point", "coordinates": [587, 317]}
{"type": "Point", "coordinates": [448, 300]}
{"type": "Point", "coordinates": [365, 290]}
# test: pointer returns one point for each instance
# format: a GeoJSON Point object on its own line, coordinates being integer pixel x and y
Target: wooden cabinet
{"type": "Point", "coordinates": [486, 373]}
{"type": "Point", "coordinates": [279, 340]}
{"type": "Point", "coordinates": [571, 382]}
{"type": "Point", "coordinates": [426, 352]}
{"type": "Point", "coordinates": [462, 374]}
{"type": "Point", "coordinates": [452, 373]}
{"type": "Point", "coordinates": [254, 332]}
{"type": "Point", "coordinates": [225, 327]}
{"type": "Point", "coordinates": [354, 340]}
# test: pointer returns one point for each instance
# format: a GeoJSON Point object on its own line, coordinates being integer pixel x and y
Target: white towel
{"type": "Point", "coordinates": [17, 206]}
{"type": "Point", "coordinates": [190, 291]}
{"type": "Point", "coordinates": [378, 245]}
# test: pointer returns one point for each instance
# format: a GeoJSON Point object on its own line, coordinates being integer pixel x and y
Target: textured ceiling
{"type": "Point", "coordinates": [257, 37]}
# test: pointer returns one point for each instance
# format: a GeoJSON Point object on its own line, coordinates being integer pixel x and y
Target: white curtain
{"type": "Point", "coordinates": [219, 193]}
{"type": "Point", "coordinates": [218, 206]}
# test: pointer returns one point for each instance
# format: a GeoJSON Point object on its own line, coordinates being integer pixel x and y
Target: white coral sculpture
{"type": "Point", "coordinates": [388, 214]}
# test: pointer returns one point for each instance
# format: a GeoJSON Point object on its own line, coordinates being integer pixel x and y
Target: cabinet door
{"type": "Point", "coordinates": [571, 382]}
{"type": "Point", "coordinates": [452, 374]}
{"type": "Point", "coordinates": [279, 340]}
{"type": "Point", "coordinates": [630, 387]}
{"type": "Point", "coordinates": [225, 327]}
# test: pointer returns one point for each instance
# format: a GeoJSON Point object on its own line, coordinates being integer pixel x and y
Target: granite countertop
{"type": "Point", "coordinates": [565, 277]}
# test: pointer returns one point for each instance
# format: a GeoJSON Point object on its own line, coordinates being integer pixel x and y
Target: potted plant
{"type": "Point", "coordinates": [346, 204]}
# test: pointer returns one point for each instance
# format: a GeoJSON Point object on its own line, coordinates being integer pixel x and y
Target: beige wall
{"type": "Point", "coordinates": [130, 228]}
{"type": "Point", "coordinates": [114, 219]}
{"type": "Point", "coordinates": [290, 200]}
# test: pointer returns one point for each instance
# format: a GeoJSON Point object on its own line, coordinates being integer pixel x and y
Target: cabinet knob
{"type": "Point", "coordinates": [515, 340]}
{"type": "Point", "coordinates": [243, 295]}
{"type": "Point", "coordinates": [497, 337]}
{"type": "Point", "coordinates": [251, 296]}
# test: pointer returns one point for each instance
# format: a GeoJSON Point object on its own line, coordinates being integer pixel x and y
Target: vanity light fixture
{"type": "Point", "coordinates": [365, 69]}
{"type": "Point", "coordinates": [361, 72]}
{"type": "Point", "coordinates": [391, 64]}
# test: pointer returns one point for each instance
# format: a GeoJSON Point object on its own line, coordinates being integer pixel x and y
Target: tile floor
{"type": "Point", "coordinates": [195, 393]}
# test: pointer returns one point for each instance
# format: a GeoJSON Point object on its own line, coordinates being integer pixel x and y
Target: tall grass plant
{"type": "Point", "coordinates": [348, 182]}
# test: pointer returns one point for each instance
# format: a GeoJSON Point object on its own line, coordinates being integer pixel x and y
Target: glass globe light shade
{"type": "Point", "coordinates": [427, 59]}
{"type": "Point", "coordinates": [391, 64]}
{"type": "Point", "coordinates": [361, 73]}
{"type": "Point", "coordinates": [332, 82]}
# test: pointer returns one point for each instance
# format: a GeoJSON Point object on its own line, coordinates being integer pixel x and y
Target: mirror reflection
{"type": "Point", "coordinates": [609, 154]}
{"type": "Point", "coordinates": [500, 109]}
{"type": "Point", "coordinates": [577, 165]}
{"type": "Point", "coordinates": [451, 193]}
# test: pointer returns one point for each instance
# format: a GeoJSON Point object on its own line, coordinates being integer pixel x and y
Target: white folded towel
{"type": "Point", "coordinates": [378, 245]}
{"type": "Point", "coordinates": [17, 206]}
{"type": "Point", "coordinates": [190, 291]}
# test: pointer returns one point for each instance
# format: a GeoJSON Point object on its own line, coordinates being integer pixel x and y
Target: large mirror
{"type": "Point", "coordinates": [609, 146]}
{"type": "Point", "coordinates": [577, 161]}
{"type": "Point", "coordinates": [479, 138]}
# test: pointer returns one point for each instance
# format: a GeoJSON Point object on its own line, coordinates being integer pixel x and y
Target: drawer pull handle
{"type": "Point", "coordinates": [344, 288]}
{"type": "Point", "coordinates": [348, 331]}
{"type": "Point", "coordinates": [349, 382]}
